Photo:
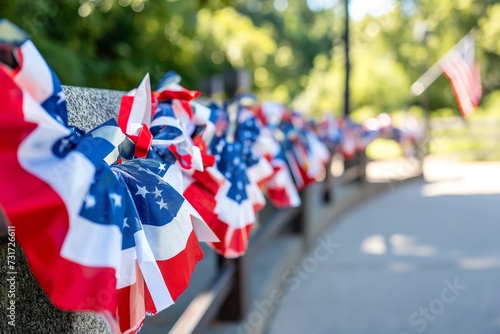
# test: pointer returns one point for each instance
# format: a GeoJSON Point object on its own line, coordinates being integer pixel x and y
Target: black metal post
{"type": "Point", "coordinates": [237, 303]}
{"type": "Point", "coordinates": [328, 194]}
{"type": "Point", "coordinates": [347, 106]}
{"type": "Point", "coordinates": [236, 306]}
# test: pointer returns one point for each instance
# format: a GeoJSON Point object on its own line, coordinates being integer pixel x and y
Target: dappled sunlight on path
{"type": "Point", "coordinates": [423, 257]}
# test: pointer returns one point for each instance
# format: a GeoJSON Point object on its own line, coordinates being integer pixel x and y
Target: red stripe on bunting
{"type": "Point", "coordinates": [279, 197]}
{"type": "Point", "coordinates": [177, 271]}
{"type": "Point", "coordinates": [41, 219]}
{"type": "Point", "coordinates": [237, 242]}
{"type": "Point", "coordinates": [131, 311]}
{"type": "Point", "coordinates": [182, 94]}
{"type": "Point", "coordinates": [124, 113]}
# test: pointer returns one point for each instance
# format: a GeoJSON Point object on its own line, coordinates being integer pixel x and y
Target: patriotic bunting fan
{"type": "Point", "coordinates": [116, 239]}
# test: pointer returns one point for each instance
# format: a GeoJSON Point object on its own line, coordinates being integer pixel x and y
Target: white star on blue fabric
{"type": "Point", "coordinates": [162, 167]}
{"type": "Point", "coordinates": [117, 199]}
{"type": "Point", "coordinates": [142, 191]}
{"type": "Point", "coordinates": [157, 192]}
{"type": "Point", "coordinates": [61, 96]}
{"type": "Point", "coordinates": [162, 204]}
{"type": "Point", "coordinates": [125, 223]}
{"type": "Point", "coordinates": [89, 201]}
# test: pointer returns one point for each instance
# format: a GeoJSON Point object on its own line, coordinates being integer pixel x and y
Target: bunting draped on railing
{"type": "Point", "coordinates": [115, 238]}
{"type": "Point", "coordinates": [110, 220]}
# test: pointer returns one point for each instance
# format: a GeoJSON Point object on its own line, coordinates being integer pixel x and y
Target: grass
{"type": "Point", "coordinates": [383, 149]}
{"type": "Point", "coordinates": [476, 140]}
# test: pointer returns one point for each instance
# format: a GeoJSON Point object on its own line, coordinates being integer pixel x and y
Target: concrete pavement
{"type": "Point", "coordinates": [421, 258]}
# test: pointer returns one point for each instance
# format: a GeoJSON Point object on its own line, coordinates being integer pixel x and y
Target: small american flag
{"type": "Point", "coordinates": [460, 68]}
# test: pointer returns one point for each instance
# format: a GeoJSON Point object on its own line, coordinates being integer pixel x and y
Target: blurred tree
{"type": "Point", "coordinates": [488, 32]}
{"type": "Point", "coordinates": [293, 48]}
{"type": "Point", "coordinates": [112, 43]}
{"type": "Point", "coordinates": [387, 56]}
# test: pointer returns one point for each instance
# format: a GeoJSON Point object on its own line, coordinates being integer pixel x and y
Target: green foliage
{"type": "Point", "coordinates": [363, 113]}
{"type": "Point", "coordinates": [294, 52]}
{"type": "Point", "coordinates": [387, 56]}
{"type": "Point", "coordinates": [444, 113]}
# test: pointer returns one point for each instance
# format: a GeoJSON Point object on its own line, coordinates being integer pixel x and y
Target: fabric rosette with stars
{"type": "Point", "coordinates": [350, 140]}
{"type": "Point", "coordinates": [47, 171]}
{"type": "Point", "coordinates": [180, 113]}
{"type": "Point", "coordinates": [201, 187]}
{"type": "Point", "coordinates": [305, 154]}
{"type": "Point", "coordinates": [259, 170]}
{"type": "Point", "coordinates": [160, 245]}
{"type": "Point", "coordinates": [279, 188]}
{"type": "Point", "coordinates": [164, 122]}
{"type": "Point", "coordinates": [328, 130]}
{"type": "Point", "coordinates": [233, 196]}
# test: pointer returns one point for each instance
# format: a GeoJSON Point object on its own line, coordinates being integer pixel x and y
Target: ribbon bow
{"type": "Point", "coordinates": [155, 125]}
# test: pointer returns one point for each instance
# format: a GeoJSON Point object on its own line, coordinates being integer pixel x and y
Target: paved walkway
{"type": "Point", "coordinates": [421, 258]}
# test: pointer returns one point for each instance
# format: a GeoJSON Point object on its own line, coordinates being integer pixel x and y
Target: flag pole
{"type": "Point", "coordinates": [432, 73]}
{"type": "Point", "coordinates": [426, 79]}
{"type": "Point", "coordinates": [347, 106]}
